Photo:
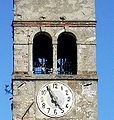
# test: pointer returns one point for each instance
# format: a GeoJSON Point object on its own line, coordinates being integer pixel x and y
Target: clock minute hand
{"type": "Point", "coordinates": [48, 89]}
{"type": "Point", "coordinates": [53, 98]}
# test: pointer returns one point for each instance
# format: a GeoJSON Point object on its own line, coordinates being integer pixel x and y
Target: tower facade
{"type": "Point", "coordinates": [54, 76]}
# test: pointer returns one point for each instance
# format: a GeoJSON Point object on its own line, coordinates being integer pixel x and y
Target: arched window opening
{"type": "Point", "coordinates": [67, 54]}
{"type": "Point", "coordinates": [42, 53]}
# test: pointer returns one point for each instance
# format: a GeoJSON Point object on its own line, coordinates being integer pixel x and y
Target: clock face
{"type": "Point", "coordinates": [55, 99]}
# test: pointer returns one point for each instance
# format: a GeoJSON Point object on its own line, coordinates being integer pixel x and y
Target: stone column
{"type": "Point", "coordinates": [30, 58]}
{"type": "Point", "coordinates": [55, 58]}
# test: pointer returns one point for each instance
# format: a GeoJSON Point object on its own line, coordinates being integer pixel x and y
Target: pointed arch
{"type": "Point", "coordinates": [42, 53]}
{"type": "Point", "coordinates": [67, 53]}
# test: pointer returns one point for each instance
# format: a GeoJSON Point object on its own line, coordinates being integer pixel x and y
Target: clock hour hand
{"type": "Point", "coordinates": [58, 106]}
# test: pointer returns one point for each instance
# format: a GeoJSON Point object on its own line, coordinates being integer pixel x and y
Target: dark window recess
{"type": "Point", "coordinates": [42, 53]}
{"type": "Point", "coordinates": [67, 54]}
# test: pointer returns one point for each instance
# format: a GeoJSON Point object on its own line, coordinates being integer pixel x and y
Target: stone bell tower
{"type": "Point", "coordinates": [54, 44]}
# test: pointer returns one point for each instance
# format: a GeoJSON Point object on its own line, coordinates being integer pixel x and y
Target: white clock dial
{"type": "Point", "coordinates": [55, 99]}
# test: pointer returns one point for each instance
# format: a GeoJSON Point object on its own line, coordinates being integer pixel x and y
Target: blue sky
{"type": "Point", "coordinates": [105, 57]}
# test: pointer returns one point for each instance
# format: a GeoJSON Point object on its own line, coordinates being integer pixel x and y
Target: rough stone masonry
{"type": "Point", "coordinates": [54, 17]}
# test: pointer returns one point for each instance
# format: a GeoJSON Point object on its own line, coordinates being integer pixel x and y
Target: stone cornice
{"type": "Point", "coordinates": [80, 76]}
{"type": "Point", "coordinates": [54, 23]}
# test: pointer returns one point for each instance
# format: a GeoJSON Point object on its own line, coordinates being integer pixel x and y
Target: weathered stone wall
{"type": "Point", "coordinates": [54, 17]}
{"type": "Point", "coordinates": [38, 10]}
{"type": "Point", "coordinates": [25, 103]}
{"type": "Point", "coordinates": [23, 98]}
{"type": "Point", "coordinates": [21, 58]}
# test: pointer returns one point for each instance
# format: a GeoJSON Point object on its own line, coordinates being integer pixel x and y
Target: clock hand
{"type": "Point", "coordinates": [57, 104]}
{"type": "Point", "coordinates": [51, 95]}
{"type": "Point", "coordinates": [53, 98]}
{"type": "Point", "coordinates": [48, 89]}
